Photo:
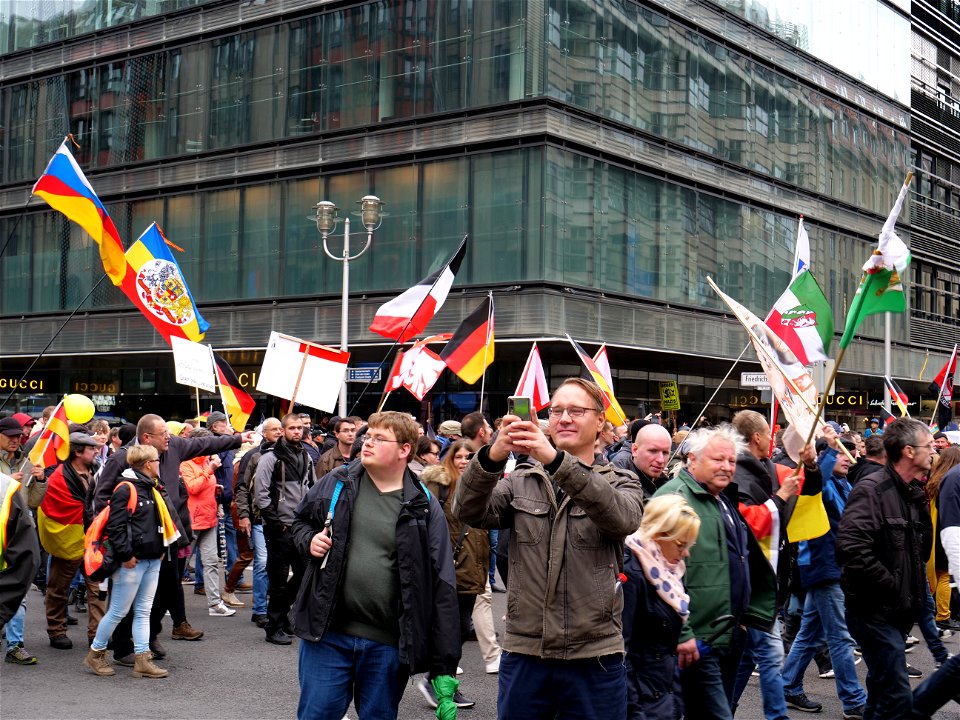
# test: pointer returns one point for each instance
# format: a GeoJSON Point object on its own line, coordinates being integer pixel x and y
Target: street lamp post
{"type": "Point", "coordinates": [371, 216]}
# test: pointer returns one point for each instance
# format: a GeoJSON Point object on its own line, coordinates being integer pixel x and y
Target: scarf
{"type": "Point", "coordinates": [293, 455]}
{"type": "Point", "coordinates": [168, 527]}
{"type": "Point", "coordinates": [665, 577]}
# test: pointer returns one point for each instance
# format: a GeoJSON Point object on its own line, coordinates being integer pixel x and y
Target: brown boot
{"type": "Point", "coordinates": [184, 631]}
{"type": "Point", "coordinates": [144, 667]}
{"type": "Point", "coordinates": [96, 660]}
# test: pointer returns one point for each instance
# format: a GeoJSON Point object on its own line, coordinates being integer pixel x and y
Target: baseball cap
{"type": "Point", "coordinates": [874, 420]}
{"type": "Point", "coordinates": [835, 426]}
{"type": "Point", "coordinates": [25, 420]}
{"type": "Point", "coordinates": [10, 426]}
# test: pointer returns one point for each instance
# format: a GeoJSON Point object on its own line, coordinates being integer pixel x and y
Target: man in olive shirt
{"type": "Point", "coordinates": [378, 601]}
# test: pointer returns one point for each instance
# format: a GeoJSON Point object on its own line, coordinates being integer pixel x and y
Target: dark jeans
{"type": "Point", "coordinates": [169, 596]}
{"type": "Point", "coordinates": [282, 557]}
{"type": "Point", "coordinates": [708, 685]}
{"type": "Point", "coordinates": [536, 689]}
{"type": "Point", "coordinates": [465, 603]}
{"type": "Point", "coordinates": [889, 696]}
{"type": "Point", "coordinates": [937, 690]}
{"type": "Point", "coordinates": [928, 628]}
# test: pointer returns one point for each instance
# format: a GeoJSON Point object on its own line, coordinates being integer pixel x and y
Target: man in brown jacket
{"type": "Point", "coordinates": [345, 431]}
{"type": "Point", "coordinates": [563, 650]}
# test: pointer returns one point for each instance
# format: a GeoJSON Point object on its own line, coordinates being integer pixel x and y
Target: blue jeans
{"type": "Point", "coordinates": [889, 696]}
{"type": "Point", "coordinates": [14, 629]}
{"type": "Point", "coordinates": [766, 650]}
{"type": "Point", "coordinates": [341, 667]}
{"type": "Point", "coordinates": [494, 536]}
{"type": "Point", "coordinates": [937, 690]}
{"type": "Point", "coordinates": [535, 689]}
{"type": "Point", "coordinates": [130, 587]}
{"type": "Point", "coordinates": [928, 628]}
{"type": "Point", "coordinates": [230, 532]}
{"type": "Point", "coordinates": [708, 684]}
{"type": "Point", "coordinates": [260, 581]}
{"type": "Point", "coordinates": [823, 616]}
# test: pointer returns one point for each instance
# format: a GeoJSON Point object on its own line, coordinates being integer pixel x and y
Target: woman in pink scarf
{"type": "Point", "coordinates": [655, 605]}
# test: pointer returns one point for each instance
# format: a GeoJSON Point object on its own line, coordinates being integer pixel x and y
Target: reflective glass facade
{"type": "Point", "coordinates": [408, 59]}
{"type": "Point", "coordinates": [866, 39]}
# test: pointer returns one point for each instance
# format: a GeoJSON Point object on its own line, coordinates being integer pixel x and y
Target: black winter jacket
{"type": "Point", "coordinates": [651, 630]}
{"type": "Point", "coordinates": [884, 540]}
{"type": "Point", "coordinates": [429, 615]}
{"type": "Point", "coordinates": [144, 540]}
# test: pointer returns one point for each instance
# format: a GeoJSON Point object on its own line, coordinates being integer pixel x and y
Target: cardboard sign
{"type": "Point", "coordinates": [669, 395]}
{"type": "Point", "coordinates": [302, 371]}
{"type": "Point", "coordinates": [194, 364]}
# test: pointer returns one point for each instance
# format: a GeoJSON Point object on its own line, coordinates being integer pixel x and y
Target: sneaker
{"type": "Point", "coordinates": [938, 663]}
{"type": "Point", "coordinates": [18, 656]}
{"type": "Point", "coordinates": [948, 624]}
{"type": "Point", "coordinates": [802, 703]}
{"type": "Point", "coordinates": [184, 631]}
{"type": "Point", "coordinates": [426, 689]}
{"type": "Point", "coordinates": [911, 640]}
{"type": "Point", "coordinates": [913, 672]}
{"type": "Point", "coordinates": [828, 674]}
{"type": "Point", "coordinates": [221, 610]}
{"type": "Point", "coordinates": [260, 620]}
{"type": "Point", "coordinates": [459, 670]}
{"type": "Point", "coordinates": [61, 642]}
{"type": "Point", "coordinates": [231, 600]}
{"type": "Point", "coordinates": [493, 667]}
{"type": "Point", "coordinates": [461, 702]}
{"type": "Point", "coordinates": [855, 713]}
{"type": "Point", "coordinates": [944, 634]}
{"type": "Point", "coordinates": [856, 651]}
{"type": "Point", "coordinates": [279, 638]}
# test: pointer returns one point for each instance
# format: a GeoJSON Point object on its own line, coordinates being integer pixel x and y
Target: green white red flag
{"type": "Point", "coordinates": [803, 319]}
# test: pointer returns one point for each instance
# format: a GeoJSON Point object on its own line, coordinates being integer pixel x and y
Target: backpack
{"type": "Point", "coordinates": [99, 561]}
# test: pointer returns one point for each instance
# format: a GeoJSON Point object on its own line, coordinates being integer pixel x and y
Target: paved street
{"type": "Point", "coordinates": [232, 673]}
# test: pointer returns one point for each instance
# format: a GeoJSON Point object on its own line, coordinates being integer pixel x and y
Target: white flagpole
{"type": "Point", "coordinates": [886, 360]}
{"type": "Point", "coordinates": [486, 347]}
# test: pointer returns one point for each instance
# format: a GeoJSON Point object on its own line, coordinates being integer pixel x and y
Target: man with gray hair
{"type": "Point", "coordinates": [727, 574]}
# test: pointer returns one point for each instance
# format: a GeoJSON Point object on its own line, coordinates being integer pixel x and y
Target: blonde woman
{"type": "Point", "coordinates": [655, 604]}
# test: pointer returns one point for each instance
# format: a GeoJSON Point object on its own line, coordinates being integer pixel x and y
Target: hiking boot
{"type": "Point", "coordinates": [96, 660]}
{"type": "Point", "coordinates": [855, 713]}
{"type": "Point", "coordinates": [802, 703]}
{"type": "Point", "coordinates": [159, 652]}
{"type": "Point", "coordinates": [18, 656]}
{"type": "Point", "coordinates": [127, 660]}
{"type": "Point", "coordinates": [220, 610]}
{"type": "Point", "coordinates": [144, 667]}
{"type": "Point", "coordinates": [183, 631]}
{"type": "Point", "coordinates": [231, 600]}
{"type": "Point", "coordinates": [61, 642]}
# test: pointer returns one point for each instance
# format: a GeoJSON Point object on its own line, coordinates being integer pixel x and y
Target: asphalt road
{"type": "Point", "coordinates": [233, 674]}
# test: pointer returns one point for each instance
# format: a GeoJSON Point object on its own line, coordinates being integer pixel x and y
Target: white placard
{"type": "Point", "coordinates": [302, 371]}
{"type": "Point", "coordinates": [194, 364]}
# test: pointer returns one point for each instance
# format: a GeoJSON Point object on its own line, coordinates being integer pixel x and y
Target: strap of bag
{"type": "Point", "coordinates": [459, 546]}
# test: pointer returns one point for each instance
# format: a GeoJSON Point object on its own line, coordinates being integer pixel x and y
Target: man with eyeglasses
{"type": "Point", "coordinates": [379, 601]}
{"type": "Point", "coordinates": [284, 474]}
{"type": "Point", "coordinates": [563, 648]}
{"type": "Point", "coordinates": [152, 430]}
{"type": "Point", "coordinates": [884, 541]}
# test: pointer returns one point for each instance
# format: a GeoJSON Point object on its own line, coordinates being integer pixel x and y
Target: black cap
{"type": "Point", "coordinates": [10, 427]}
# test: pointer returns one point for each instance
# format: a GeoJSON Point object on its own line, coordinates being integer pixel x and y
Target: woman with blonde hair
{"type": "Point", "coordinates": [655, 604]}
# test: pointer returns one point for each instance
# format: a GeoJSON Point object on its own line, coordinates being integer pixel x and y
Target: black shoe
{"type": "Point", "coordinates": [279, 638]}
{"type": "Point", "coordinates": [260, 620]}
{"type": "Point", "coordinates": [461, 702]}
{"type": "Point", "coordinates": [948, 624]}
{"type": "Point", "coordinates": [81, 599]}
{"type": "Point", "coordinates": [61, 642]}
{"type": "Point", "coordinates": [802, 703]}
{"type": "Point", "coordinates": [855, 713]}
{"type": "Point", "coordinates": [913, 672]}
{"type": "Point", "coordinates": [71, 620]}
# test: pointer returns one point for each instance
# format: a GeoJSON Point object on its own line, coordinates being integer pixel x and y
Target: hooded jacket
{"type": "Point", "coordinates": [145, 539]}
{"type": "Point", "coordinates": [283, 476]}
{"type": "Point", "coordinates": [429, 615]}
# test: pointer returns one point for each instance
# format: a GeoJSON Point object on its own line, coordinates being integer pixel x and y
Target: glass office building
{"type": "Point", "coordinates": [604, 158]}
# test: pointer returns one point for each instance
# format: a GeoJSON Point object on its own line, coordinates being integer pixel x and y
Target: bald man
{"type": "Point", "coordinates": [648, 457]}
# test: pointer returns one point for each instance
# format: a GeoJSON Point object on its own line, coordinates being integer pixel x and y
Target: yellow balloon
{"type": "Point", "coordinates": [79, 408]}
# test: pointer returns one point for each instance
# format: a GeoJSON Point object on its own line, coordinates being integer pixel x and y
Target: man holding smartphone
{"type": "Point", "coordinates": [563, 649]}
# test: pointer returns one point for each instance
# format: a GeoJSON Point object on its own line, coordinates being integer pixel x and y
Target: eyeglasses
{"type": "Point", "coordinates": [431, 452]}
{"type": "Point", "coordinates": [164, 434]}
{"type": "Point", "coordinates": [928, 446]}
{"type": "Point", "coordinates": [377, 441]}
{"type": "Point", "coordinates": [573, 411]}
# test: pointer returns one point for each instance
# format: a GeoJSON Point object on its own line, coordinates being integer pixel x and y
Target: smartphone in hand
{"type": "Point", "coordinates": [520, 406]}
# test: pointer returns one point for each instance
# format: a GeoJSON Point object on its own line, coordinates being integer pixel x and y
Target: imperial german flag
{"type": "Point", "coordinates": [65, 189]}
{"type": "Point", "coordinates": [238, 404]}
{"type": "Point", "coordinates": [471, 349]}
{"type": "Point", "coordinates": [53, 445]}
{"type": "Point", "coordinates": [156, 286]}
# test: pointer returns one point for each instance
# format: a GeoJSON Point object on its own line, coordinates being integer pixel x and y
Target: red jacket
{"type": "Point", "coordinates": [202, 493]}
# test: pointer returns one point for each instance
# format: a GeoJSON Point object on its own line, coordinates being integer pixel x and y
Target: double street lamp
{"type": "Point", "coordinates": [371, 215]}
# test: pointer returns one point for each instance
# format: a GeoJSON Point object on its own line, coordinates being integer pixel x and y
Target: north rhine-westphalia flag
{"type": "Point", "coordinates": [156, 286]}
{"type": "Point", "coordinates": [408, 314]}
{"type": "Point", "coordinates": [898, 396]}
{"type": "Point", "coordinates": [60, 515]}
{"type": "Point", "coordinates": [533, 381]}
{"type": "Point", "coordinates": [881, 286]}
{"type": "Point", "coordinates": [612, 410]}
{"type": "Point", "coordinates": [236, 401]}
{"type": "Point", "coordinates": [471, 349]}
{"type": "Point", "coordinates": [65, 188]}
{"type": "Point", "coordinates": [417, 369]}
{"type": "Point", "coordinates": [942, 387]}
{"type": "Point", "coordinates": [53, 445]}
{"type": "Point", "coordinates": [803, 319]}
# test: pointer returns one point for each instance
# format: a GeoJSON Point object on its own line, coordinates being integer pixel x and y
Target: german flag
{"type": "Point", "coordinates": [237, 403]}
{"type": "Point", "coordinates": [60, 516]}
{"type": "Point", "coordinates": [613, 412]}
{"type": "Point", "coordinates": [470, 350]}
{"type": "Point", "coordinates": [53, 445]}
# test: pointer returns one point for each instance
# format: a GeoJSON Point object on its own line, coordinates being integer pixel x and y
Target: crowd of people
{"type": "Point", "coordinates": [648, 573]}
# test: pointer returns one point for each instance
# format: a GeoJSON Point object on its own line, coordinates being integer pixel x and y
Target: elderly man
{"type": "Point", "coordinates": [648, 457]}
{"type": "Point", "coordinates": [152, 430]}
{"type": "Point", "coordinates": [727, 573]}
{"type": "Point", "coordinates": [884, 540]}
{"type": "Point", "coordinates": [568, 518]}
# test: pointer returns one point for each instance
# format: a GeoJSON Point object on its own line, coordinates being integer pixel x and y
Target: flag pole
{"type": "Point", "coordinates": [486, 348]}
{"type": "Point", "coordinates": [823, 396]}
{"type": "Point", "coordinates": [47, 347]}
{"type": "Point", "coordinates": [926, 359]}
{"type": "Point", "coordinates": [384, 400]}
{"type": "Point", "coordinates": [198, 402]}
{"type": "Point", "coordinates": [936, 406]}
{"type": "Point", "coordinates": [886, 360]}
